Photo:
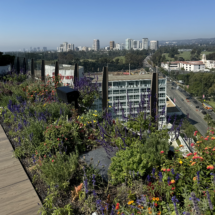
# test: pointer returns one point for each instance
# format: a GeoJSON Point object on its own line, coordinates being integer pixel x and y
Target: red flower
{"type": "Point", "coordinates": [156, 204]}
{"type": "Point", "coordinates": [117, 206]}
{"type": "Point", "coordinates": [44, 156]}
{"type": "Point", "coordinates": [192, 144]}
{"type": "Point", "coordinates": [162, 152]}
{"type": "Point", "coordinates": [52, 161]}
{"type": "Point", "coordinates": [173, 188]}
{"type": "Point", "coordinates": [114, 122]}
{"type": "Point", "coordinates": [58, 139]}
{"type": "Point", "coordinates": [168, 170]}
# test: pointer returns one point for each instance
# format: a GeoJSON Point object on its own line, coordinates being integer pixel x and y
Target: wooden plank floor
{"type": "Point", "coordinates": [17, 195]}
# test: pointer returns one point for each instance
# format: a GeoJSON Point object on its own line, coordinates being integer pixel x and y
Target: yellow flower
{"type": "Point", "coordinates": [78, 117]}
{"type": "Point", "coordinates": [87, 122]}
{"type": "Point", "coordinates": [153, 198]}
{"type": "Point", "coordinates": [95, 110]}
{"type": "Point", "coordinates": [44, 105]}
{"type": "Point", "coordinates": [180, 162]}
{"type": "Point", "coordinates": [84, 124]}
{"type": "Point", "coordinates": [94, 120]}
{"type": "Point", "coordinates": [109, 106]}
{"type": "Point", "coordinates": [157, 199]}
{"type": "Point", "coordinates": [130, 202]}
{"type": "Point", "coordinates": [172, 181]}
{"type": "Point", "coordinates": [194, 178]}
{"type": "Point", "coordinates": [95, 115]}
{"type": "Point", "coordinates": [82, 117]}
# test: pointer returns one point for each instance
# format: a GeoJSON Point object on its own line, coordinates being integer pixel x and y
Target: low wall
{"type": "Point", "coordinates": [4, 69]}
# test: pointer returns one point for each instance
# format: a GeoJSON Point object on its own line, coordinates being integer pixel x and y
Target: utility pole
{"type": "Point", "coordinates": [129, 69]}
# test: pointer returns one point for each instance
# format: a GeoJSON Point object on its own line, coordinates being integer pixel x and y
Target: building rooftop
{"type": "Point", "coordinates": [186, 62]}
{"type": "Point", "coordinates": [125, 77]}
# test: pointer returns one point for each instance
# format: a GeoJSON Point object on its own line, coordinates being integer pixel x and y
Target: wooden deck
{"type": "Point", "coordinates": [17, 195]}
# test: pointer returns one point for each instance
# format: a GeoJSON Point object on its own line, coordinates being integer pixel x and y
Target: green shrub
{"type": "Point", "coordinates": [59, 169]}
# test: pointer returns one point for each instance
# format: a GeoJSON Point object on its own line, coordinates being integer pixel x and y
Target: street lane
{"type": "Point", "coordinates": [196, 118]}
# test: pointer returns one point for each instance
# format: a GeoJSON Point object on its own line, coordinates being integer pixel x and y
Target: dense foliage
{"type": "Point", "coordinates": [145, 178]}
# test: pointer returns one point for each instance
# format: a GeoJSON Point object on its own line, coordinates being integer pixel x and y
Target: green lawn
{"type": "Point", "coordinates": [120, 58]}
{"type": "Point", "coordinates": [185, 55]}
{"type": "Point", "coordinates": [88, 59]}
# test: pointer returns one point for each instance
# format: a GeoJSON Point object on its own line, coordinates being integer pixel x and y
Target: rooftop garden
{"type": "Point", "coordinates": [144, 177]}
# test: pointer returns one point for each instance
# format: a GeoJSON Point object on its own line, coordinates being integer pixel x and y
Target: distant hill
{"type": "Point", "coordinates": [188, 41]}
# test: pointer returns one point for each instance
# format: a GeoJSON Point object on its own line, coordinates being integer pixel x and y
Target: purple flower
{"type": "Point", "coordinates": [160, 176]}
{"type": "Point", "coordinates": [148, 178]}
{"type": "Point", "coordinates": [153, 172]}
{"type": "Point", "coordinates": [172, 171]}
{"type": "Point", "coordinates": [195, 202]}
{"type": "Point", "coordinates": [209, 200]}
{"type": "Point", "coordinates": [177, 176]}
{"type": "Point", "coordinates": [174, 200]}
{"type": "Point", "coordinates": [168, 179]}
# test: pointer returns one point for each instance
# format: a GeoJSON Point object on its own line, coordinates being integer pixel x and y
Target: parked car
{"type": "Point", "coordinates": [182, 100]}
{"type": "Point", "coordinates": [197, 106]}
{"type": "Point", "coordinates": [204, 112]}
{"type": "Point", "coordinates": [195, 102]}
{"type": "Point", "coordinates": [201, 109]}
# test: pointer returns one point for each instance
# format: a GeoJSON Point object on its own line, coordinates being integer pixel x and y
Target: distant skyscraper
{"type": "Point", "coordinates": [96, 45]}
{"type": "Point", "coordinates": [154, 45]}
{"type": "Point", "coordinates": [71, 47]}
{"type": "Point", "coordinates": [134, 44]}
{"type": "Point", "coordinates": [38, 49]}
{"type": "Point", "coordinates": [112, 45]}
{"type": "Point", "coordinates": [145, 43]}
{"type": "Point", "coordinates": [80, 48]}
{"type": "Point", "coordinates": [65, 46]}
{"type": "Point", "coordinates": [128, 44]}
{"type": "Point", "coordinates": [118, 46]}
{"type": "Point", "coordinates": [44, 49]}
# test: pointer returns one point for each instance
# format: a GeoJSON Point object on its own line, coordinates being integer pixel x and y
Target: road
{"type": "Point", "coordinates": [196, 117]}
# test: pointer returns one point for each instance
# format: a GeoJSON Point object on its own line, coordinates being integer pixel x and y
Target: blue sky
{"type": "Point", "coordinates": [38, 23]}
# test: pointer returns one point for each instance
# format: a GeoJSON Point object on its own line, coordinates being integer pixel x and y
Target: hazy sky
{"type": "Point", "coordinates": [38, 23]}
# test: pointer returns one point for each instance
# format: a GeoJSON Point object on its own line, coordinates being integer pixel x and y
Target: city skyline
{"type": "Point", "coordinates": [156, 20]}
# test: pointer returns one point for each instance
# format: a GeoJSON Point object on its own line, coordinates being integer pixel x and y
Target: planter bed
{"type": "Point", "coordinates": [141, 165]}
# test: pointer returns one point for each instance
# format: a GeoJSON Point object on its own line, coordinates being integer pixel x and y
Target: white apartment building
{"type": "Point", "coordinates": [66, 73]}
{"type": "Point", "coordinates": [128, 43]}
{"type": "Point", "coordinates": [209, 64]}
{"type": "Point", "coordinates": [85, 49]}
{"type": "Point", "coordinates": [118, 46]}
{"type": "Point", "coordinates": [65, 46]}
{"type": "Point", "coordinates": [145, 43]}
{"type": "Point", "coordinates": [192, 66]}
{"type": "Point", "coordinates": [71, 47]}
{"type": "Point", "coordinates": [134, 85]}
{"type": "Point", "coordinates": [96, 44]}
{"type": "Point", "coordinates": [154, 45]}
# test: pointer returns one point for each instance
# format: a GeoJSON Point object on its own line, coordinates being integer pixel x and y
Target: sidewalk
{"type": "Point", "coordinates": [17, 195]}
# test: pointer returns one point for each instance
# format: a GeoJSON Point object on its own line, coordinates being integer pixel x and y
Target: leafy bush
{"type": "Point", "coordinates": [59, 169]}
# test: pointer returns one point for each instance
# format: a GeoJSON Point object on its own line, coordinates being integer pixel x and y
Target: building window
{"type": "Point", "coordinates": [122, 97]}
{"type": "Point", "coordinates": [115, 91]}
{"type": "Point", "coordinates": [136, 96]}
{"type": "Point", "coordinates": [136, 91]}
{"type": "Point", "coordinates": [161, 95]}
{"type": "Point", "coordinates": [122, 91]}
{"type": "Point", "coordinates": [130, 91]}
{"type": "Point", "coordinates": [131, 97]}
{"type": "Point", "coordinates": [161, 88]}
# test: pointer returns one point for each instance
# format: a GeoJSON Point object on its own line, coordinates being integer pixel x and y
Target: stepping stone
{"type": "Point", "coordinates": [99, 154]}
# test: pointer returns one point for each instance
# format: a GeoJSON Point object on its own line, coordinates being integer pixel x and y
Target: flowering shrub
{"type": "Point", "coordinates": [59, 169]}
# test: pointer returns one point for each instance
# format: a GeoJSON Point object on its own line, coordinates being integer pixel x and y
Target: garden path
{"type": "Point", "coordinates": [17, 195]}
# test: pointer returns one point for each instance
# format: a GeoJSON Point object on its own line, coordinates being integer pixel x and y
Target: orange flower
{"type": "Point", "coordinates": [78, 188]}
{"type": "Point", "coordinates": [210, 167]}
{"type": "Point", "coordinates": [117, 206]}
{"type": "Point", "coordinates": [172, 181]}
{"type": "Point", "coordinates": [159, 213]}
{"type": "Point", "coordinates": [194, 178]}
{"type": "Point", "coordinates": [193, 163]}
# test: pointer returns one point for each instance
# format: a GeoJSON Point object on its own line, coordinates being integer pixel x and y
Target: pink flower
{"type": "Point", "coordinates": [52, 161]}
{"type": "Point", "coordinates": [162, 152]}
{"type": "Point", "coordinates": [192, 144]}
{"type": "Point", "coordinates": [168, 170]}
